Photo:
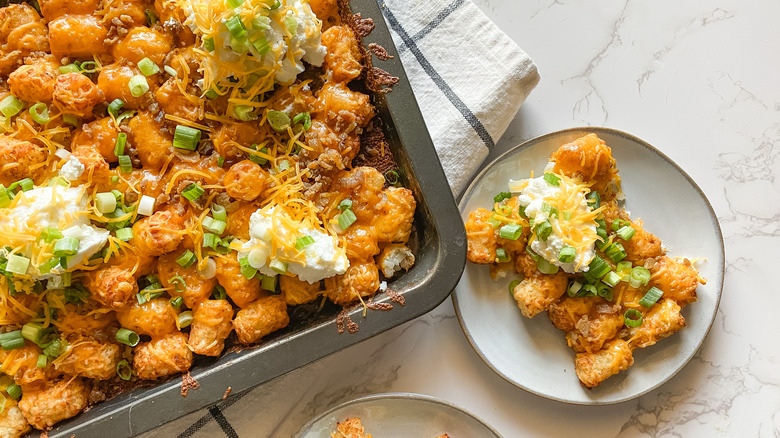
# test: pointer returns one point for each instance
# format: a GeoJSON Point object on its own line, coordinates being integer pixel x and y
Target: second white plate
{"type": "Point", "coordinates": [533, 354]}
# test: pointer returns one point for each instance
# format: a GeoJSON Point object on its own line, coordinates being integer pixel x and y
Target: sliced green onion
{"type": "Point", "coordinates": [55, 348]}
{"type": "Point", "coordinates": [25, 184]}
{"type": "Point", "coordinates": [146, 205]}
{"type": "Point", "coordinates": [574, 288]}
{"type": "Point", "coordinates": [138, 85]}
{"type": "Point", "coordinates": [69, 68]}
{"type": "Point", "coordinates": [291, 24]}
{"type": "Point", "coordinates": [244, 112]}
{"type": "Point", "coordinates": [597, 268]}
{"type": "Point", "coordinates": [623, 268]}
{"type": "Point", "coordinates": [193, 191]}
{"type": "Point", "coordinates": [543, 230]}
{"type": "Point", "coordinates": [276, 4]}
{"type": "Point", "coordinates": [495, 223]}
{"type": "Point", "coordinates": [186, 137]}
{"type": "Point", "coordinates": [502, 256]}
{"type": "Point", "coordinates": [612, 278]}
{"type": "Point", "coordinates": [40, 113]}
{"type": "Point", "coordinates": [651, 297]}
{"type": "Point", "coordinates": [219, 292]}
{"type": "Point", "coordinates": [278, 266]}
{"type": "Point", "coordinates": [34, 332]}
{"type": "Point", "coordinates": [305, 119]}
{"type": "Point", "coordinates": [11, 340]}
{"type": "Point", "coordinates": [178, 283]}
{"type": "Point", "coordinates": [346, 204]}
{"type": "Point", "coordinates": [234, 3]}
{"type": "Point", "coordinates": [43, 360]}
{"type": "Point", "coordinates": [261, 45]}
{"type": "Point", "coordinates": [633, 318]}
{"type": "Point", "coordinates": [261, 23]}
{"type": "Point", "coordinates": [114, 107]}
{"type": "Point", "coordinates": [511, 231]}
{"type": "Point", "coordinates": [219, 212]}
{"type": "Point", "coordinates": [346, 218]}
{"type": "Point", "coordinates": [279, 120]}
{"type": "Point", "coordinates": [236, 27]}
{"type": "Point", "coordinates": [268, 282]}
{"type": "Point", "coordinates": [14, 391]}
{"type": "Point", "coordinates": [303, 241]}
{"type": "Point", "coordinates": [177, 302]}
{"type": "Point", "coordinates": [185, 319]}
{"type": "Point", "coordinates": [127, 337]}
{"type": "Point", "coordinates": [124, 370]}
{"type": "Point", "coordinates": [392, 177]}
{"type": "Point", "coordinates": [619, 223]}
{"type": "Point", "coordinates": [151, 20]}
{"type": "Point", "coordinates": [208, 44]}
{"type": "Point", "coordinates": [125, 164]}
{"type": "Point", "coordinates": [76, 294]}
{"type": "Point", "coordinates": [546, 267]}
{"type": "Point", "coordinates": [105, 202]}
{"type": "Point", "coordinates": [593, 199]}
{"type": "Point", "coordinates": [521, 211]}
{"type": "Point", "coordinates": [11, 106]}
{"type": "Point", "coordinates": [124, 234]}
{"type": "Point", "coordinates": [615, 252]}
{"type": "Point", "coordinates": [567, 215]}
{"type": "Point", "coordinates": [48, 265]}
{"type": "Point", "coordinates": [67, 246]}
{"type": "Point", "coordinates": [215, 226]}
{"type": "Point", "coordinates": [50, 234]}
{"type": "Point", "coordinates": [88, 67]}
{"type": "Point", "coordinates": [57, 181]}
{"type": "Point", "coordinates": [148, 67]}
{"type": "Point", "coordinates": [70, 119]}
{"type": "Point", "coordinates": [221, 161]}
{"type": "Point", "coordinates": [170, 70]}
{"type": "Point", "coordinates": [246, 269]}
{"type": "Point", "coordinates": [604, 291]}
{"type": "Point", "coordinates": [125, 115]}
{"type": "Point", "coordinates": [257, 158]}
{"type": "Point", "coordinates": [5, 197]}
{"type": "Point", "coordinates": [552, 179]}
{"type": "Point", "coordinates": [640, 276]}
{"type": "Point", "coordinates": [17, 264]}
{"type": "Point", "coordinates": [567, 254]}
{"type": "Point", "coordinates": [210, 240]}
{"type": "Point", "coordinates": [121, 141]}
{"type": "Point", "coordinates": [626, 232]}
{"type": "Point", "coordinates": [501, 196]}
{"type": "Point", "coordinates": [549, 210]}
{"type": "Point", "coordinates": [587, 290]}
{"type": "Point", "coordinates": [513, 285]}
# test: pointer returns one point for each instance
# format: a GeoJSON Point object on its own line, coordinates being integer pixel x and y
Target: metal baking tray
{"type": "Point", "coordinates": [441, 256]}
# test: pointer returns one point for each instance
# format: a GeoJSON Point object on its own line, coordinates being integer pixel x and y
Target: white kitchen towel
{"type": "Point", "coordinates": [468, 76]}
{"type": "Point", "coordinates": [469, 79]}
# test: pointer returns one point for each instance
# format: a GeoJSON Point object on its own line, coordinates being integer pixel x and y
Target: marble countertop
{"type": "Point", "coordinates": [696, 79]}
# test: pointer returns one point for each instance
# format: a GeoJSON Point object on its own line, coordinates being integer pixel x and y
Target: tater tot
{"type": "Point", "coordinates": [174, 102]}
{"type": "Point", "coordinates": [114, 82]}
{"type": "Point", "coordinates": [363, 186]}
{"type": "Point", "coordinates": [142, 42]}
{"type": "Point", "coordinates": [154, 318]}
{"type": "Point", "coordinates": [594, 329]}
{"type": "Point", "coordinates": [342, 60]}
{"type": "Point", "coordinates": [587, 158]}
{"type": "Point", "coordinates": [162, 357]}
{"type": "Point", "coordinates": [211, 325]}
{"type": "Point", "coordinates": [297, 292]}
{"type": "Point", "coordinates": [91, 359]}
{"type": "Point", "coordinates": [77, 36]}
{"type": "Point", "coordinates": [112, 286]}
{"type": "Point", "coordinates": [195, 289]}
{"type": "Point", "coordinates": [158, 234]}
{"type": "Point", "coordinates": [126, 13]}
{"type": "Point", "coordinates": [325, 10]}
{"type": "Point", "coordinates": [642, 245]}
{"type": "Point", "coordinates": [57, 402]}
{"type": "Point", "coordinates": [360, 280]}
{"type": "Point", "coordinates": [245, 180]}
{"type": "Point", "coordinates": [17, 157]}
{"type": "Point", "coordinates": [393, 222]}
{"type": "Point", "coordinates": [594, 368]}
{"type": "Point", "coordinates": [537, 293]}
{"type": "Point", "coordinates": [12, 421]}
{"type": "Point", "coordinates": [361, 242]}
{"type": "Point", "coordinates": [96, 168]}
{"type": "Point", "coordinates": [21, 32]}
{"type": "Point", "coordinates": [153, 145]}
{"type": "Point", "coordinates": [264, 316]}
{"type": "Point", "coordinates": [394, 259]}
{"type": "Point", "coordinates": [22, 364]}
{"type": "Point", "coordinates": [71, 322]}
{"type": "Point", "coordinates": [227, 136]}
{"type": "Point", "coordinates": [34, 82]}
{"type": "Point", "coordinates": [240, 289]}
{"type": "Point", "coordinates": [101, 135]}
{"type": "Point", "coordinates": [660, 321]}
{"type": "Point", "coordinates": [75, 94]}
{"type": "Point", "coordinates": [482, 239]}
{"type": "Point", "coordinates": [52, 9]}
{"type": "Point", "coordinates": [677, 279]}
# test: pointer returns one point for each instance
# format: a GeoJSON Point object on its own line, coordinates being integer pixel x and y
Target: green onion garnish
{"type": "Point", "coordinates": [219, 293]}
{"type": "Point", "coordinates": [276, 4]}
{"type": "Point", "coordinates": [543, 230]}
{"type": "Point", "coordinates": [612, 278]}
{"type": "Point", "coordinates": [178, 283]}
{"type": "Point", "coordinates": [594, 199]}
{"type": "Point", "coordinates": [268, 282]}
{"type": "Point", "coordinates": [11, 340]}
{"type": "Point", "coordinates": [105, 202]}
{"type": "Point", "coordinates": [305, 119]}
{"type": "Point", "coordinates": [640, 276]}
{"type": "Point", "coordinates": [215, 226]}
{"type": "Point", "coordinates": [597, 268]}
{"type": "Point", "coordinates": [70, 119]}
{"type": "Point", "coordinates": [501, 196]}
{"type": "Point", "coordinates": [574, 288]}
{"type": "Point", "coordinates": [510, 231]}
{"type": "Point", "coordinates": [208, 44]}
{"type": "Point", "coordinates": [125, 163]}
{"type": "Point", "coordinates": [11, 106]}
{"type": "Point", "coordinates": [127, 337]}
{"type": "Point", "coordinates": [210, 240]}
{"type": "Point", "coordinates": [193, 191]}
{"type": "Point", "coordinates": [50, 234]}
{"type": "Point", "coordinates": [346, 204]}
{"type": "Point", "coordinates": [40, 113]}
{"type": "Point", "coordinates": [17, 264]}
{"type": "Point", "coordinates": [626, 232]}
{"type": "Point", "coordinates": [513, 285]}
{"type": "Point", "coordinates": [292, 24]}
{"type": "Point", "coordinates": [170, 70]}
{"type": "Point", "coordinates": [177, 302]}
{"type": "Point", "coordinates": [651, 297]}
{"type": "Point", "coordinates": [14, 391]}
{"type": "Point", "coordinates": [121, 141]}
{"type": "Point", "coordinates": [346, 218]}
{"type": "Point", "coordinates": [236, 27]}
{"type": "Point", "coordinates": [549, 210]}
{"type": "Point", "coordinates": [124, 234]}
{"type": "Point", "coordinates": [303, 241]}
{"type": "Point", "coordinates": [615, 252]}
{"type": "Point", "coordinates": [34, 332]}
{"type": "Point", "coordinates": [148, 67]}
{"type": "Point", "coordinates": [138, 85]}
{"type": "Point", "coordinates": [279, 120]}
{"type": "Point", "coordinates": [113, 109]}
{"type": "Point", "coordinates": [587, 290]}
{"type": "Point", "coordinates": [151, 20]}
{"type": "Point", "coordinates": [567, 254]}
{"type": "Point", "coordinates": [88, 67]}
{"type": "Point", "coordinates": [619, 223]}
{"type": "Point", "coordinates": [185, 319]}
{"type": "Point", "coordinates": [219, 212]}
{"type": "Point", "coordinates": [552, 179]}
{"type": "Point", "coordinates": [261, 23]}
{"type": "Point", "coordinates": [123, 370]}
{"type": "Point", "coordinates": [502, 256]}
{"type": "Point", "coordinates": [186, 138]}
{"type": "Point", "coordinates": [261, 45]}
{"type": "Point", "coordinates": [43, 360]}
{"type": "Point", "coordinates": [278, 266]}
{"type": "Point", "coordinates": [604, 291]}
{"type": "Point", "coordinates": [244, 112]}
{"type": "Point", "coordinates": [246, 269]}
{"type": "Point", "coordinates": [56, 348]}
{"type": "Point", "coordinates": [495, 223]}
{"type": "Point", "coordinates": [76, 294]}
{"type": "Point", "coordinates": [70, 68]}
{"type": "Point", "coordinates": [67, 246]}
{"type": "Point", "coordinates": [186, 259]}
{"type": "Point", "coordinates": [633, 318]}
{"type": "Point", "coordinates": [623, 268]}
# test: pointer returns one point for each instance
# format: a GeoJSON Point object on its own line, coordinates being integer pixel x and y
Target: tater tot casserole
{"type": "Point", "coordinates": [174, 176]}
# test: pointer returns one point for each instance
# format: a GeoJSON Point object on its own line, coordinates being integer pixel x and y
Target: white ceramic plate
{"type": "Point", "coordinates": [396, 415]}
{"type": "Point", "coordinates": [533, 354]}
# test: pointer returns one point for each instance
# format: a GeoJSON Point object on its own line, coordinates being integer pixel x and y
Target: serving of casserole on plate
{"type": "Point", "coordinates": [207, 189]}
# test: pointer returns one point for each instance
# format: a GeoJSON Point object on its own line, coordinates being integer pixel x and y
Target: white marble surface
{"type": "Point", "coordinates": [698, 80]}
